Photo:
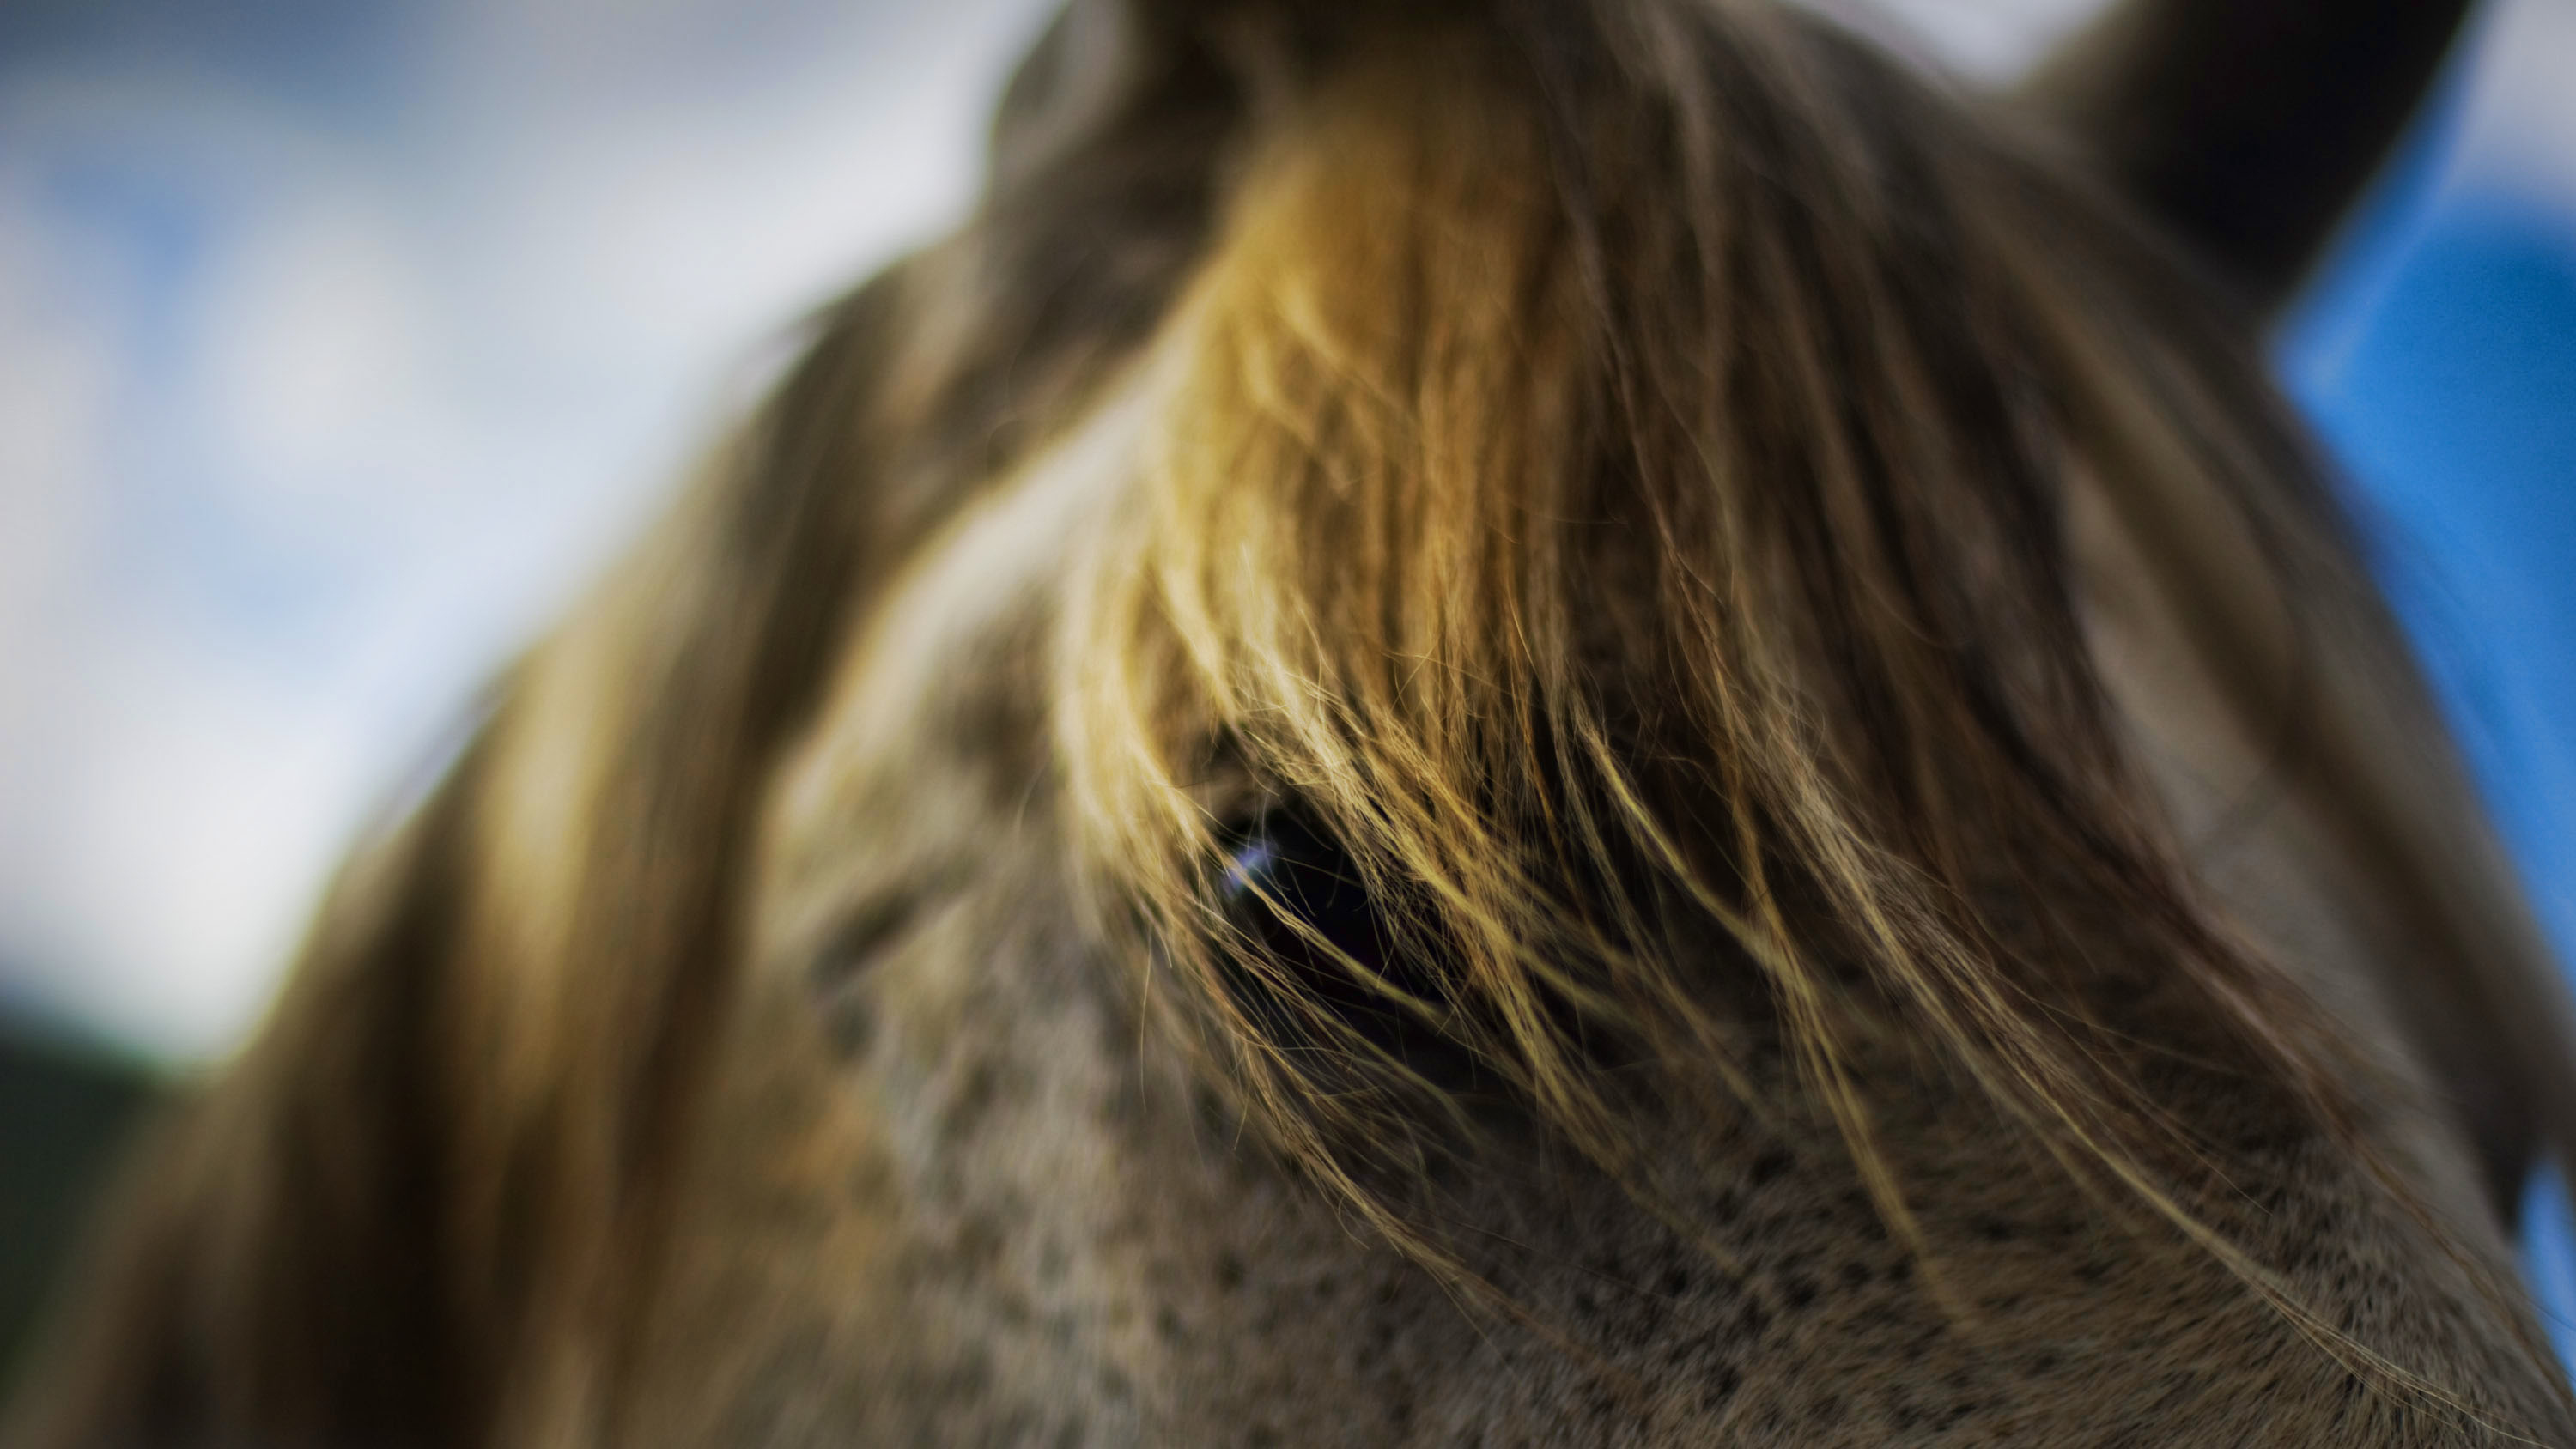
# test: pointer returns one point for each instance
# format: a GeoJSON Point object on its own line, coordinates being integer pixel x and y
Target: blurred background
{"type": "Point", "coordinates": [340, 344]}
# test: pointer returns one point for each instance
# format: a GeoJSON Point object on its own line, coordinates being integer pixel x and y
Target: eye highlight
{"type": "Point", "coordinates": [1298, 897]}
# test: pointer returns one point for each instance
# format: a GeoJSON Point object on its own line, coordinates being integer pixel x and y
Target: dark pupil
{"type": "Point", "coordinates": [1307, 877]}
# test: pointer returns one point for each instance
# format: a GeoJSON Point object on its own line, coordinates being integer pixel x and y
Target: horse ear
{"type": "Point", "coordinates": [2247, 126]}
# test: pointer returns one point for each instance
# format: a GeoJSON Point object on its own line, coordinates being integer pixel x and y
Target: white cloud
{"type": "Point", "coordinates": [56, 370]}
{"type": "Point", "coordinates": [2518, 136]}
{"type": "Point", "coordinates": [164, 807]}
{"type": "Point", "coordinates": [306, 358]}
{"type": "Point", "coordinates": [185, 837]}
{"type": "Point", "coordinates": [1981, 40]}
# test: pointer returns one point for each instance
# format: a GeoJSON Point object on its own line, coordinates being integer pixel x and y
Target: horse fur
{"type": "Point", "coordinates": [1805, 616]}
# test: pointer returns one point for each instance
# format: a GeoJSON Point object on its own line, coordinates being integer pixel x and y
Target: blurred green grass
{"type": "Point", "coordinates": [66, 1108]}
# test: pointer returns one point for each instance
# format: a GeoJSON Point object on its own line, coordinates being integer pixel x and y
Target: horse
{"type": "Point", "coordinates": [1488, 721]}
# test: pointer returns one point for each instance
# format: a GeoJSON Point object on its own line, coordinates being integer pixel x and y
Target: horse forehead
{"type": "Point", "coordinates": [958, 634]}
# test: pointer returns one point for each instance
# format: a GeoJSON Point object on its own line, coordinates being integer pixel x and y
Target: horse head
{"type": "Point", "coordinates": [1534, 722]}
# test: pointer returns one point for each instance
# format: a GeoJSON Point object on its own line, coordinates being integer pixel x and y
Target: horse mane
{"type": "Point", "coordinates": [1444, 315]}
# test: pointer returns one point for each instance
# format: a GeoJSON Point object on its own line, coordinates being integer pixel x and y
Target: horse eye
{"type": "Point", "coordinates": [1293, 890]}
{"type": "Point", "coordinates": [1302, 874]}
